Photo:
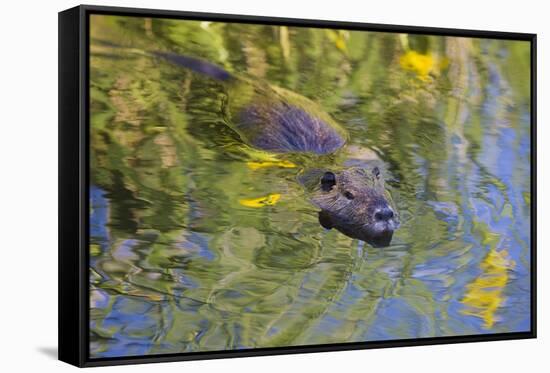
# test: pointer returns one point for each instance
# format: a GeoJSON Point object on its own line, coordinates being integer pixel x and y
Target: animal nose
{"type": "Point", "coordinates": [383, 214]}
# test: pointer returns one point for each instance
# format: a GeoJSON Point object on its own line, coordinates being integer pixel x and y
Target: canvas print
{"type": "Point", "coordinates": [257, 185]}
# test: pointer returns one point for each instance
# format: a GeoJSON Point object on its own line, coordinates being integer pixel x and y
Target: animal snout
{"type": "Point", "coordinates": [383, 214]}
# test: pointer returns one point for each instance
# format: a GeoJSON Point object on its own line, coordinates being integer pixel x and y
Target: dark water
{"type": "Point", "coordinates": [200, 243]}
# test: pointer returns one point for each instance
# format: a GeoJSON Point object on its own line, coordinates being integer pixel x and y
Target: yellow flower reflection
{"type": "Point", "coordinates": [484, 295]}
{"type": "Point", "coordinates": [257, 165]}
{"type": "Point", "coordinates": [268, 200]}
{"type": "Point", "coordinates": [422, 64]}
{"type": "Point", "coordinates": [339, 38]}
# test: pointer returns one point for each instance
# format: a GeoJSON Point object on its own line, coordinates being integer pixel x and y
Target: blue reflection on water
{"type": "Point", "coordinates": [99, 216]}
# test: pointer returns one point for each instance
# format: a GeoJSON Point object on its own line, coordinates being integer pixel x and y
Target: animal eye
{"type": "Point", "coordinates": [349, 195]}
{"type": "Point", "coordinates": [328, 181]}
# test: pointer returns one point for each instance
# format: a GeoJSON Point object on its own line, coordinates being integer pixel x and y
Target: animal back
{"type": "Point", "coordinates": [287, 128]}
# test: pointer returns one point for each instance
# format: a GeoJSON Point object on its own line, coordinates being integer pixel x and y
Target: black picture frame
{"type": "Point", "coordinates": [74, 173]}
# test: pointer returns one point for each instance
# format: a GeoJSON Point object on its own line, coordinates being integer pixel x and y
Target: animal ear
{"type": "Point", "coordinates": [328, 181]}
{"type": "Point", "coordinates": [376, 172]}
{"type": "Point", "coordinates": [324, 220]}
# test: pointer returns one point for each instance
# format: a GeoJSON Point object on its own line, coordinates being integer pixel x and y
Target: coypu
{"type": "Point", "coordinates": [273, 119]}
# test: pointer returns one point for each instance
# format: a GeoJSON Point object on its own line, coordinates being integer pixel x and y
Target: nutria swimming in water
{"type": "Point", "coordinates": [352, 200]}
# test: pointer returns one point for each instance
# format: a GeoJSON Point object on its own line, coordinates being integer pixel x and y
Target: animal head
{"type": "Point", "coordinates": [355, 202]}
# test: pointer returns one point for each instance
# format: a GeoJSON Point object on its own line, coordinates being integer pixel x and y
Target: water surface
{"type": "Point", "coordinates": [199, 243]}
